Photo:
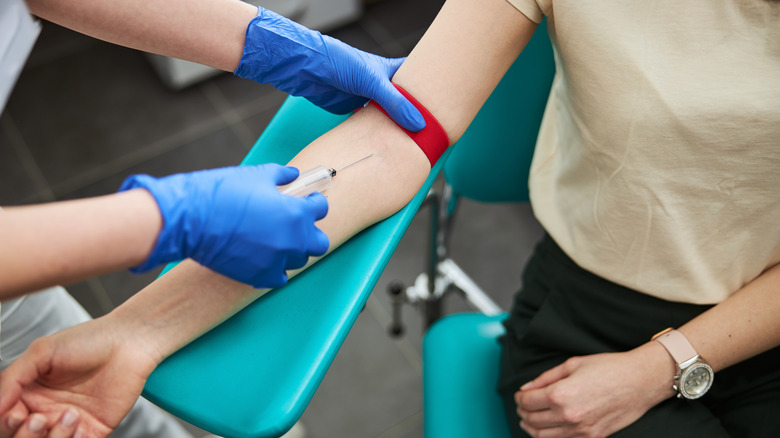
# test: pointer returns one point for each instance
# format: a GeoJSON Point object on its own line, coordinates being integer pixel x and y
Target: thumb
{"type": "Point", "coordinates": [283, 174]}
{"type": "Point", "coordinates": [399, 108]}
{"type": "Point", "coordinates": [10, 390]}
{"type": "Point", "coordinates": [19, 374]}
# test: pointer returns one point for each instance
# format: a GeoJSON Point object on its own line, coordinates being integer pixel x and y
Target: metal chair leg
{"type": "Point", "coordinates": [442, 275]}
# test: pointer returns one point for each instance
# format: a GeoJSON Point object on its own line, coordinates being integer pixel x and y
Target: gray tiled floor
{"type": "Point", "coordinates": [85, 114]}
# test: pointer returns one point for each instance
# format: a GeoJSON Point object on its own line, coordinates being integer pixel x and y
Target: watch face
{"type": "Point", "coordinates": [696, 380]}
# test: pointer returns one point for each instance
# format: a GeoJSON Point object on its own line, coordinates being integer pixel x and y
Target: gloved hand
{"type": "Point", "coordinates": [235, 222]}
{"type": "Point", "coordinates": [324, 70]}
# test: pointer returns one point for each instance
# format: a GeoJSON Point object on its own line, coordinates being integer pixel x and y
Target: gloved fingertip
{"type": "Point", "coordinates": [401, 110]}
{"type": "Point", "coordinates": [266, 282]}
{"type": "Point", "coordinates": [321, 243]}
{"type": "Point", "coordinates": [297, 261]}
{"type": "Point", "coordinates": [285, 175]}
{"type": "Point", "coordinates": [293, 170]}
{"type": "Point", "coordinates": [319, 205]}
{"type": "Point", "coordinates": [412, 119]}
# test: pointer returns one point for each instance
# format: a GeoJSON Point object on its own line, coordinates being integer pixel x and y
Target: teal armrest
{"type": "Point", "coordinates": [254, 375]}
{"type": "Point", "coordinates": [461, 358]}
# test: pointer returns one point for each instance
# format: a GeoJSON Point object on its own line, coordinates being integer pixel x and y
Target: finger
{"type": "Point", "coordinates": [547, 432]}
{"type": "Point", "coordinates": [528, 429]}
{"type": "Point", "coordinates": [383, 92]}
{"type": "Point", "coordinates": [541, 419]}
{"type": "Point", "coordinates": [11, 420]}
{"type": "Point", "coordinates": [19, 374]}
{"type": "Point", "coordinates": [547, 378]}
{"type": "Point", "coordinates": [319, 243]}
{"type": "Point", "coordinates": [399, 108]}
{"type": "Point", "coordinates": [11, 386]}
{"type": "Point", "coordinates": [66, 427]}
{"type": "Point", "coordinates": [318, 204]}
{"type": "Point", "coordinates": [263, 281]}
{"type": "Point", "coordinates": [34, 427]}
{"type": "Point", "coordinates": [283, 174]}
{"type": "Point", "coordinates": [532, 400]}
{"type": "Point", "coordinates": [340, 105]}
{"type": "Point", "coordinates": [296, 261]}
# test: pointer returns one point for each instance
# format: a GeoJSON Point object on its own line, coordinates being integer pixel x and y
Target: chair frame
{"type": "Point", "coordinates": [442, 275]}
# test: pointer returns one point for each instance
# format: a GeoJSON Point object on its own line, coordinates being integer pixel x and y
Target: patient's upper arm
{"type": "Point", "coordinates": [452, 71]}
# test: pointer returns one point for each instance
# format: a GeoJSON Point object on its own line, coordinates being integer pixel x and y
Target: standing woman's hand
{"type": "Point", "coordinates": [329, 73]}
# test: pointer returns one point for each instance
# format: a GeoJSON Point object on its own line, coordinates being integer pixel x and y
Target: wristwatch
{"type": "Point", "coordinates": [694, 376]}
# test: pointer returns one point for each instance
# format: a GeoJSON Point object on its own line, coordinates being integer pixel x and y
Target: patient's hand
{"type": "Point", "coordinates": [94, 371]}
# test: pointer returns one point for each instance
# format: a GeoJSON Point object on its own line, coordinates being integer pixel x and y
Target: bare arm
{"type": "Point", "coordinates": [741, 327]}
{"type": "Point", "coordinates": [209, 32]}
{"type": "Point", "coordinates": [67, 241]}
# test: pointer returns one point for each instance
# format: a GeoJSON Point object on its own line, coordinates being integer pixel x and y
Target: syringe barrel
{"type": "Point", "coordinates": [317, 179]}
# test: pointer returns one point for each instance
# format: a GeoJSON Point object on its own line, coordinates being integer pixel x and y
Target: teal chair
{"type": "Point", "coordinates": [253, 375]}
{"type": "Point", "coordinates": [460, 371]}
{"type": "Point", "coordinates": [491, 163]}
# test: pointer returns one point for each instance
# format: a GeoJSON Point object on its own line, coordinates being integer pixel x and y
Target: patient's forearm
{"type": "Point", "coordinates": [190, 299]}
{"type": "Point", "coordinates": [450, 73]}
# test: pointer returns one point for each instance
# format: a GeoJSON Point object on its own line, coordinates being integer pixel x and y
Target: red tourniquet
{"type": "Point", "coordinates": [432, 139]}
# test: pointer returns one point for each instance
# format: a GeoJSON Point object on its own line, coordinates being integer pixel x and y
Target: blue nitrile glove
{"type": "Point", "coordinates": [324, 70]}
{"type": "Point", "coordinates": [235, 222]}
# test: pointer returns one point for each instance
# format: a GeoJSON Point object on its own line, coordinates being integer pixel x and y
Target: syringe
{"type": "Point", "coordinates": [317, 179]}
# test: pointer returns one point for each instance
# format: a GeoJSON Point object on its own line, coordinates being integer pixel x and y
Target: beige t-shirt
{"type": "Point", "coordinates": [658, 160]}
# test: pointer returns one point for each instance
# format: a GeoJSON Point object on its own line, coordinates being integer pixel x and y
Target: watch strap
{"type": "Point", "coordinates": [677, 345]}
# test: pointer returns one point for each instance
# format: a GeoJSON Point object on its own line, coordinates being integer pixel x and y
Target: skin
{"type": "Point", "coordinates": [63, 242]}
{"type": "Point", "coordinates": [468, 48]}
{"type": "Point", "coordinates": [207, 32]}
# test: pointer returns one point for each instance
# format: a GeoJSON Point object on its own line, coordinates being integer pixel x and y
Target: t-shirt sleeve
{"type": "Point", "coordinates": [535, 10]}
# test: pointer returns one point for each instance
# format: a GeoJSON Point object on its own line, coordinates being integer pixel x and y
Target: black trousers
{"type": "Point", "coordinates": [563, 310]}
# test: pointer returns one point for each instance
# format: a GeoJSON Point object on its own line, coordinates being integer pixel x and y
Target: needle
{"type": "Point", "coordinates": [354, 162]}
{"type": "Point", "coordinates": [317, 179]}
